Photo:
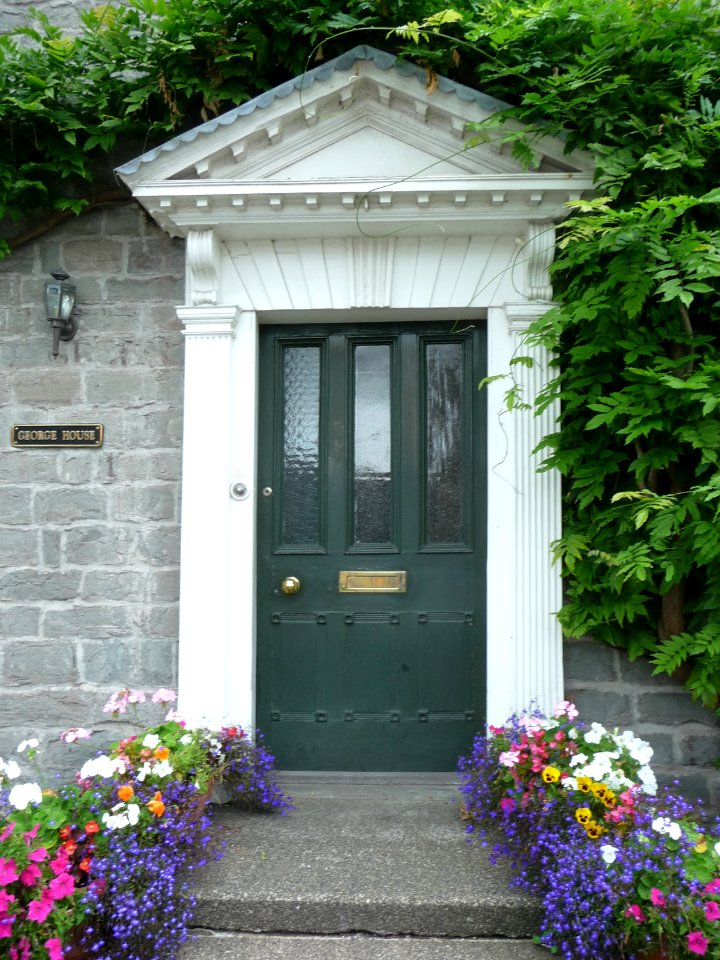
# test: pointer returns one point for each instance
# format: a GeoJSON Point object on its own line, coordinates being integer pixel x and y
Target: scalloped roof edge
{"type": "Point", "coordinates": [381, 58]}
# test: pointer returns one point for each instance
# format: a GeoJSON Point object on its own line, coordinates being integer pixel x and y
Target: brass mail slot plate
{"type": "Point", "coordinates": [373, 581]}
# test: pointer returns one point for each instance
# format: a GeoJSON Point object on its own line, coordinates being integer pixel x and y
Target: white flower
{"type": "Point", "coordinates": [569, 783]}
{"type": "Point", "coordinates": [10, 769]}
{"type": "Point", "coordinates": [648, 781]}
{"type": "Point", "coordinates": [122, 816]}
{"type": "Point", "coordinates": [578, 759]}
{"type": "Point", "coordinates": [144, 771]}
{"type": "Point", "coordinates": [717, 848]}
{"type": "Point", "coordinates": [30, 744]}
{"type": "Point", "coordinates": [23, 794]}
{"type": "Point", "coordinates": [186, 738]}
{"type": "Point", "coordinates": [101, 766]}
{"type": "Point", "coordinates": [596, 732]}
{"type": "Point", "coordinates": [162, 768]}
{"type": "Point", "coordinates": [572, 734]}
{"type": "Point", "coordinates": [151, 741]}
{"type": "Point", "coordinates": [608, 852]}
{"type": "Point", "coordinates": [667, 826]}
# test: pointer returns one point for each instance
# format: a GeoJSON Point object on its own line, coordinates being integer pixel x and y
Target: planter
{"type": "Point", "coordinates": [76, 950]}
{"type": "Point", "coordinates": [657, 951]}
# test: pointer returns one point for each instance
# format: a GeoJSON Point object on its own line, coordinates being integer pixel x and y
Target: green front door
{"type": "Point", "coordinates": [371, 650]}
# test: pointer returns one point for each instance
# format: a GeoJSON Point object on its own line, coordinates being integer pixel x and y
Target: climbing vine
{"type": "Point", "coordinates": [637, 270]}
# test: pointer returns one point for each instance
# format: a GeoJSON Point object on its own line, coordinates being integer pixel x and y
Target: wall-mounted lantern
{"type": "Point", "coordinates": [59, 302]}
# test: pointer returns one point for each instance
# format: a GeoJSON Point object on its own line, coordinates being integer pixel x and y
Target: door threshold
{"type": "Point", "coordinates": [366, 785]}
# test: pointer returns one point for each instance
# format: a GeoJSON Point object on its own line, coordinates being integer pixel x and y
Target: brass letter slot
{"type": "Point", "coordinates": [373, 581]}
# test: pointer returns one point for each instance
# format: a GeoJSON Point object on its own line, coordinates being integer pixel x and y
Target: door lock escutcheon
{"type": "Point", "coordinates": [290, 585]}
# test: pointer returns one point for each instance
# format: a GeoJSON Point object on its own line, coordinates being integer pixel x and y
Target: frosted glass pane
{"type": "Point", "coordinates": [372, 481]}
{"type": "Point", "coordinates": [444, 450]}
{"type": "Point", "coordinates": [301, 446]}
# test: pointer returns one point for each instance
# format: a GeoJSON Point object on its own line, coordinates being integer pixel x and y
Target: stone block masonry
{"type": "Point", "coordinates": [609, 688]}
{"type": "Point", "coordinates": [89, 565]}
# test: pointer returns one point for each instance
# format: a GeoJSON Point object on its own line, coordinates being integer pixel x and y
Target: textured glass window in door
{"type": "Point", "coordinates": [372, 449]}
{"type": "Point", "coordinates": [444, 442]}
{"type": "Point", "coordinates": [300, 520]}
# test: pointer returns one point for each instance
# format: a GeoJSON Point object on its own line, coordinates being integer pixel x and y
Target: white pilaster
{"type": "Point", "coordinates": [523, 587]}
{"type": "Point", "coordinates": [205, 540]}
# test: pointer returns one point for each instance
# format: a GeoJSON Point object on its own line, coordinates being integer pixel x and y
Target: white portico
{"type": "Point", "coordinates": [350, 194]}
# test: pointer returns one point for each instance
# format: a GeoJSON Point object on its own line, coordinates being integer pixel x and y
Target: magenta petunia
{"type": "Point", "coordinates": [657, 897]}
{"type": "Point", "coordinates": [712, 910]}
{"type": "Point", "coordinates": [37, 856]}
{"type": "Point", "coordinates": [30, 875]}
{"type": "Point", "coordinates": [5, 900]}
{"type": "Point", "coordinates": [30, 835]}
{"type": "Point", "coordinates": [713, 886]}
{"type": "Point", "coordinates": [6, 925]}
{"type": "Point", "coordinates": [38, 910]}
{"type": "Point", "coordinates": [61, 886]}
{"type": "Point", "coordinates": [697, 943]}
{"type": "Point", "coordinates": [636, 913]}
{"type": "Point", "coordinates": [7, 832]}
{"type": "Point", "coordinates": [59, 864]}
{"type": "Point", "coordinates": [8, 871]}
{"type": "Point", "coordinates": [54, 948]}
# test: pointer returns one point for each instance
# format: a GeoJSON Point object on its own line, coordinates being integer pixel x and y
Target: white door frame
{"type": "Point", "coordinates": [218, 566]}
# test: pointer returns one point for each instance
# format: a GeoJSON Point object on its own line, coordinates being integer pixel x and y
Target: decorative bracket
{"type": "Point", "coordinates": [203, 259]}
{"type": "Point", "coordinates": [539, 253]}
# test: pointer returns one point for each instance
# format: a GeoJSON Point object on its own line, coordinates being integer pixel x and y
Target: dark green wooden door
{"type": "Point", "coordinates": [372, 484]}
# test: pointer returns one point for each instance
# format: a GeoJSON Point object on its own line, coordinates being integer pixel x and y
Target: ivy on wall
{"type": "Point", "coordinates": [637, 271]}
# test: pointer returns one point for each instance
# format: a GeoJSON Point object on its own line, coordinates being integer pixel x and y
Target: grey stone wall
{"type": "Point", "coordinates": [609, 688]}
{"type": "Point", "coordinates": [62, 13]}
{"type": "Point", "coordinates": [89, 538]}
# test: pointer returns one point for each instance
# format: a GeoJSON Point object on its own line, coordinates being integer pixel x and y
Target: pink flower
{"type": "Point", "coordinates": [565, 707]}
{"type": "Point", "coordinates": [636, 913]}
{"type": "Point", "coordinates": [30, 875]}
{"type": "Point", "coordinates": [61, 886]}
{"type": "Point", "coordinates": [37, 856]}
{"type": "Point", "coordinates": [6, 927]}
{"type": "Point", "coordinates": [38, 910]}
{"type": "Point", "coordinates": [507, 805]}
{"type": "Point", "coordinates": [5, 900]}
{"type": "Point", "coordinates": [713, 886]}
{"type": "Point", "coordinates": [173, 716]}
{"type": "Point", "coordinates": [508, 758]}
{"type": "Point", "coordinates": [657, 897]}
{"type": "Point", "coordinates": [7, 831]}
{"type": "Point", "coordinates": [8, 871]}
{"type": "Point", "coordinates": [74, 734]}
{"type": "Point", "coordinates": [697, 943]}
{"type": "Point", "coordinates": [712, 910]}
{"type": "Point", "coordinates": [54, 948]}
{"type": "Point", "coordinates": [30, 835]}
{"type": "Point", "coordinates": [136, 696]}
{"type": "Point", "coordinates": [59, 864]}
{"type": "Point", "coordinates": [164, 696]}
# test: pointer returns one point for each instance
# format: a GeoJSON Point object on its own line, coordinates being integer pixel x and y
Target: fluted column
{"type": "Point", "coordinates": [210, 690]}
{"type": "Point", "coordinates": [524, 587]}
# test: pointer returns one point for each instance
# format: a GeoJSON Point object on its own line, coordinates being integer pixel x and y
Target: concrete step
{"type": "Point", "coordinates": [254, 946]}
{"type": "Point", "coordinates": [362, 867]}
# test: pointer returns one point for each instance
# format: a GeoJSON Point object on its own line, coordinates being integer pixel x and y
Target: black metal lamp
{"type": "Point", "coordinates": [59, 303]}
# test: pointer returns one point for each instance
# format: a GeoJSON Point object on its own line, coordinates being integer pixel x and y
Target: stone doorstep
{"type": "Point", "coordinates": [369, 863]}
{"type": "Point", "coordinates": [245, 946]}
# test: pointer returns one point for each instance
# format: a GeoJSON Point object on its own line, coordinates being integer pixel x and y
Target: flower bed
{"type": "Point", "coordinates": [102, 864]}
{"type": "Point", "coordinates": [621, 870]}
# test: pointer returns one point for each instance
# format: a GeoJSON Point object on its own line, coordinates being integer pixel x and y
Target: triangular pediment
{"type": "Point", "coordinates": [362, 124]}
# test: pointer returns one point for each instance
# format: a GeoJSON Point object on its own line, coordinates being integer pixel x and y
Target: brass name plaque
{"type": "Point", "coordinates": [373, 581]}
{"type": "Point", "coordinates": [57, 435]}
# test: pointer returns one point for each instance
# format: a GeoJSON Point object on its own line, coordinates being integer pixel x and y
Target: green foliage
{"type": "Point", "coordinates": [637, 280]}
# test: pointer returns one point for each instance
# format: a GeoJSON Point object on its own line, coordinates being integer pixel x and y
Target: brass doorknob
{"type": "Point", "coordinates": [290, 585]}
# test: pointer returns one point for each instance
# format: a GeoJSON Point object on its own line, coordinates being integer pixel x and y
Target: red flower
{"type": "Point", "coordinates": [65, 833]}
{"type": "Point", "coordinates": [84, 864]}
{"type": "Point", "coordinates": [91, 827]}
